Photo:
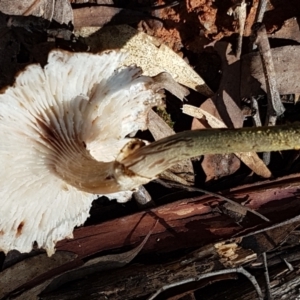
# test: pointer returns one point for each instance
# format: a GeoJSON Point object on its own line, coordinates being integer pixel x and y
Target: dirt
{"type": "Point", "coordinates": [193, 24]}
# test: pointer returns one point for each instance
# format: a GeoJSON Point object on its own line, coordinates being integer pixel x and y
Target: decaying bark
{"type": "Point", "coordinates": [141, 281]}
{"type": "Point", "coordinates": [201, 221]}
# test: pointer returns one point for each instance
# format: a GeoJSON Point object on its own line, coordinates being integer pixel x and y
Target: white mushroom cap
{"type": "Point", "coordinates": [80, 107]}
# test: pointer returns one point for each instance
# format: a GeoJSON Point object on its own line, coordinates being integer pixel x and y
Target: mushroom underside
{"type": "Point", "coordinates": [79, 107]}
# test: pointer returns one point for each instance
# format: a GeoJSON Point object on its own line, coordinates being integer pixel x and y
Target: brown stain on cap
{"type": "Point", "coordinates": [20, 228]}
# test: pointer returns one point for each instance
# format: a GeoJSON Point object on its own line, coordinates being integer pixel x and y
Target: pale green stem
{"type": "Point", "coordinates": [151, 160]}
{"type": "Point", "coordinates": [138, 164]}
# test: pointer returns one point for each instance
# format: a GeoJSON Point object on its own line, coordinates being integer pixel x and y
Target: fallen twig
{"type": "Point", "coordinates": [261, 11]}
{"type": "Point", "coordinates": [267, 278]}
{"type": "Point", "coordinates": [239, 13]}
{"type": "Point", "coordinates": [240, 270]}
{"type": "Point", "coordinates": [275, 107]}
{"type": "Point", "coordinates": [255, 115]}
{"type": "Point", "coordinates": [194, 189]}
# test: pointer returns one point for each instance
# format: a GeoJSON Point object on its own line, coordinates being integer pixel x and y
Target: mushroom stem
{"type": "Point", "coordinates": [151, 160]}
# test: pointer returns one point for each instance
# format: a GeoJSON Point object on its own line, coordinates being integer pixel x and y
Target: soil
{"type": "Point", "coordinates": [193, 24]}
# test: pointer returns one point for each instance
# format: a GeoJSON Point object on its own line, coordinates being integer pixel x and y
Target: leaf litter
{"type": "Point", "coordinates": [173, 40]}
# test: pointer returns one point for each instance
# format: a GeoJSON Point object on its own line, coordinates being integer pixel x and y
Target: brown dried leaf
{"type": "Point", "coordinates": [98, 264]}
{"type": "Point", "coordinates": [94, 16]}
{"type": "Point", "coordinates": [215, 166]}
{"type": "Point", "coordinates": [107, 262]}
{"type": "Point", "coordinates": [251, 17]}
{"type": "Point", "coordinates": [289, 30]}
{"type": "Point", "coordinates": [148, 53]}
{"type": "Point", "coordinates": [30, 268]}
{"type": "Point", "coordinates": [165, 81]}
{"type": "Point", "coordinates": [287, 72]}
{"type": "Point", "coordinates": [58, 10]}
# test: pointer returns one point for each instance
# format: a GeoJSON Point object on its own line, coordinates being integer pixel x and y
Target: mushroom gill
{"type": "Point", "coordinates": [63, 140]}
{"type": "Point", "coordinates": [62, 129]}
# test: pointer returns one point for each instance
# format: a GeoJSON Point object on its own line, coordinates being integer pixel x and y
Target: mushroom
{"type": "Point", "coordinates": [61, 129]}
{"type": "Point", "coordinates": [64, 140]}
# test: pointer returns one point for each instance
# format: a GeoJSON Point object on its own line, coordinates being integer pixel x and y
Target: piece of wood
{"type": "Point", "coordinates": [190, 220]}
{"type": "Point", "coordinates": [128, 283]}
{"type": "Point", "coordinates": [188, 223]}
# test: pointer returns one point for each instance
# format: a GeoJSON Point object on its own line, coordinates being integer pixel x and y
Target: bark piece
{"type": "Point", "coordinates": [180, 220]}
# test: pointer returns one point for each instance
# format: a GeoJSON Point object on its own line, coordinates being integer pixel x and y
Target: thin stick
{"type": "Point", "coordinates": [255, 116]}
{"type": "Point", "coordinates": [275, 107]}
{"type": "Point", "coordinates": [240, 270]}
{"type": "Point", "coordinates": [261, 11]}
{"type": "Point", "coordinates": [267, 278]}
{"type": "Point", "coordinates": [194, 189]}
{"type": "Point", "coordinates": [239, 12]}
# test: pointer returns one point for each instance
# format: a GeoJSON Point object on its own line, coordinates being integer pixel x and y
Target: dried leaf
{"type": "Point", "coordinates": [94, 16]}
{"type": "Point", "coordinates": [165, 81]}
{"type": "Point", "coordinates": [58, 10]}
{"type": "Point", "coordinates": [251, 17]}
{"type": "Point", "coordinates": [199, 113]}
{"type": "Point", "coordinates": [215, 166]}
{"type": "Point", "coordinates": [289, 30]}
{"type": "Point", "coordinates": [251, 159]}
{"type": "Point", "coordinates": [234, 211]}
{"type": "Point", "coordinates": [148, 53]}
{"type": "Point", "coordinates": [98, 264]}
{"type": "Point", "coordinates": [287, 72]}
{"type": "Point", "coordinates": [30, 268]}
{"type": "Point", "coordinates": [102, 263]}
